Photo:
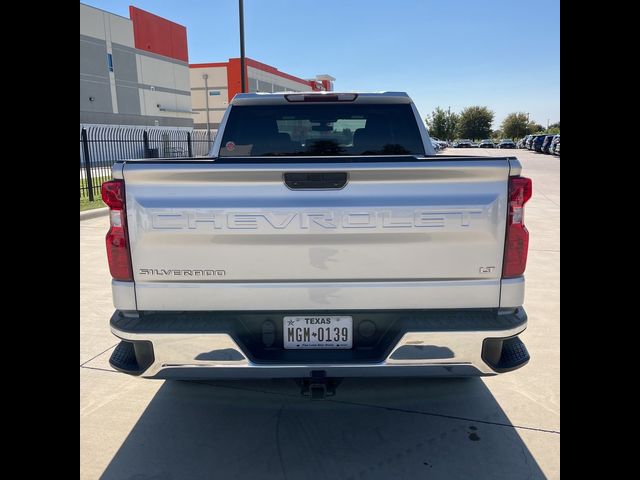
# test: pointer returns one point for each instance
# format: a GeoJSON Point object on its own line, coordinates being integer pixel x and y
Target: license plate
{"type": "Point", "coordinates": [330, 332]}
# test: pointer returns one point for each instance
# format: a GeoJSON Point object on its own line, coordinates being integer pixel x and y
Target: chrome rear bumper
{"type": "Point", "coordinates": [492, 347]}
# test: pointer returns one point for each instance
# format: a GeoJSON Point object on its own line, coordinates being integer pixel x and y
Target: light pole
{"type": "Point", "coordinates": [243, 80]}
{"type": "Point", "coordinates": [206, 100]}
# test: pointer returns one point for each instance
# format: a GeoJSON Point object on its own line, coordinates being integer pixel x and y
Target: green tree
{"type": "Point", "coordinates": [534, 127]}
{"type": "Point", "coordinates": [515, 125]}
{"type": "Point", "coordinates": [554, 128]}
{"type": "Point", "coordinates": [475, 122]}
{"type": "Point", "coordinates": [442, 124]}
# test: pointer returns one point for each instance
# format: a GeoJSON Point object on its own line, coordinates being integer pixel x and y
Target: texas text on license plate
{"type": "Point", "coordinates": [329, 332]}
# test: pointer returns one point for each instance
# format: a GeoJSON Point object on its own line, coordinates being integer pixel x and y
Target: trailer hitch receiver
{"type": "Point", "coordinates": [318, 386]}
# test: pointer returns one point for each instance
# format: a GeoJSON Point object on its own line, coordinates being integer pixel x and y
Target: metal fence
{"type": "Point", "coordinates": [101, 147]}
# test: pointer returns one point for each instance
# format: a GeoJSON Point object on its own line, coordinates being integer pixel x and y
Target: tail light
{"type": "Point", "coordinates": [117, 239]}
{"type": "Point", "coordinates": [517, 241]}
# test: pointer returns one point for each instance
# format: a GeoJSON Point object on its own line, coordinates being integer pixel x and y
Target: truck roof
{"type": "Point", "coordinates": [282, 98]}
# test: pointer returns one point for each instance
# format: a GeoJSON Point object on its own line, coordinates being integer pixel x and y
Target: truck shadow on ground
{"type": "Point", "coordinates": [372, 428]}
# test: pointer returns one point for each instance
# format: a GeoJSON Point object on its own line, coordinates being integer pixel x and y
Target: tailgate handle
{"type": "Point", "coordinates": [313, 180]}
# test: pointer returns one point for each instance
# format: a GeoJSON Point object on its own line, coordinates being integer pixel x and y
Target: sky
{"type": "Point", "coordinates": [503, 54]}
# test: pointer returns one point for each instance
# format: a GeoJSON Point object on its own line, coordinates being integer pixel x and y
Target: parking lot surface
{"type": "Point", "coordinates": [506, 426]}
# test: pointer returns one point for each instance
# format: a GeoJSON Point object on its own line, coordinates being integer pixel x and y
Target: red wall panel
{"type": "Point", "coordinates": [158, 35]}
{"type": "Point", "coordinates": [234, 79]}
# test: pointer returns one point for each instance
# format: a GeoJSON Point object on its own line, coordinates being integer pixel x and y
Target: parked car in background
{"type": "Point", "coordinates": [506, 143]}
{"type": "Point", "coordinates": [486, 144]}
{"type": "Point", "coordinates": [546, 144]}
{"type": "Point", "coordinates": [475, 144]}
{"type": "Point", "coordinates": [554, 142]}
{"type": "Point", "coordinates": [556, 146]}
{"type": "Point", "coordinates": [439, 144]}
{"type": "Point", "coordinates": [536, 144]}
{"type": "Point", "coordinates": [529, 142]}
{"type": "Point", "coordinates": [464, 143]}
{"type": "Point", "coordinates": [523, 141]}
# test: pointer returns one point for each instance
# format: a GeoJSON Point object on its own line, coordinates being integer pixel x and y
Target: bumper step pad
{"type": "Point", "coordinates": [132, 357]}
{"type": "Point", "coordinates": [514, 354]}
{"type": "Point", "coordinates": [505, 354]}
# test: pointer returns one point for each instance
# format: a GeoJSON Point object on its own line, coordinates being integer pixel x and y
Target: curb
{"type": "Point", "coordinates": [96, 212]}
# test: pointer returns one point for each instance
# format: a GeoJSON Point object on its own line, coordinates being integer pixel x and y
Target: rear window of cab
{"type": "Point", "coordinates": [327, 129]}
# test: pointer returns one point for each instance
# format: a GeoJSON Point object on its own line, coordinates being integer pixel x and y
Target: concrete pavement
{"type": "Point", "coordinates": [496, 427]}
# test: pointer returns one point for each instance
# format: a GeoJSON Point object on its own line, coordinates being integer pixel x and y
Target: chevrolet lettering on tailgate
{"type": "Point", "coordinates": [391, 219]}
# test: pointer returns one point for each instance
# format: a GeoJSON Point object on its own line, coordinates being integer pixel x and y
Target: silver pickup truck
{"type": "Point", "coordinates": [322, 238]}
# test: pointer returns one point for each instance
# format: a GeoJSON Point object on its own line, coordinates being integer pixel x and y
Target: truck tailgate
{"type": "Point", "coordinates": [212, 236]}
